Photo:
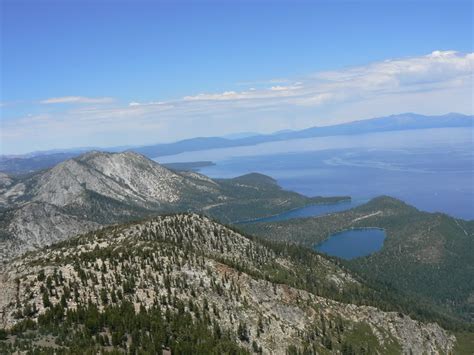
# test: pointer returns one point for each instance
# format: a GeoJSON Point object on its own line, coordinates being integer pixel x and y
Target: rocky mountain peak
{"type": "Point", "coordinates": [122, 176]}
{"type": "Point", "coordinates": [99, 157]}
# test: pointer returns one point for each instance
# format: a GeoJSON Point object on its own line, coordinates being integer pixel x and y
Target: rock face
{"type": "Point", "coordinates": [79, 195]}
{"type": "Point", "coordinates": [123, 177]}
{"type": "Point", "coordinates": [5, 184]}
{"type": "Point", "coordinates": [38, 224]}
{"type": "Point", "coordinates": [5, 180]}
{"type": "Point", "coordinates": [126, 177]}
{"type": "Point", "coordinates": [189, 259]}
{"type": "Point", "coordinates": [98, 188]}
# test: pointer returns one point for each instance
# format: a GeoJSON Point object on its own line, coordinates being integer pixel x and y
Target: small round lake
{"type": "Point", "coordinates": [353, 243]}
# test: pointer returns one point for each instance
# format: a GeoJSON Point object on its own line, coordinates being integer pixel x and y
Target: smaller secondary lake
{"type": "Point", "coordinates": [353, 243]}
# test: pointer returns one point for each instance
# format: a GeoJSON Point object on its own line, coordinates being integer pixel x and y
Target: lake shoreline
{"type": "Point", "coordinates": [260, 219]}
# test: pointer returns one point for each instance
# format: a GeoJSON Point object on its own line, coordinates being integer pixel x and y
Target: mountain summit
{"type": "Point", "coordinates": [125, 177]}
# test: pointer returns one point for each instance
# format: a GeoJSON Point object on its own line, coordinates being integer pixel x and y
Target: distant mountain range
{"type": "Point", "coordinates": [407, 121]}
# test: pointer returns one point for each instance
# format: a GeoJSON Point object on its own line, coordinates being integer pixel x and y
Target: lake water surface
{"type": "Point", "coordinates": [432, 169]}
{"type": "Point", "coordinates": [353, 243]}
{"type": "Point", "coordinates": [310, 211]}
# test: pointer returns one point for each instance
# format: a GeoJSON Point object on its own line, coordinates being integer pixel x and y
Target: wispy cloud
{"type": "Point", "coordinates": [150, 103]}
{"type": "Point", "coordinates": [435, 83]}
{"type": "Point", "coordinates": [435, 71]}
{"type": "Point", "coordinates": [77, 100]}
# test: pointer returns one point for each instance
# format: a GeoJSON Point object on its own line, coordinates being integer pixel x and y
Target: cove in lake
{"type": "Point", "coordinates": [310, 211]}
{"type": "Point", "coordinates": [353, 243]}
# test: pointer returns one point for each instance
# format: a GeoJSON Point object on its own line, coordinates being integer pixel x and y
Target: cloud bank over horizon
{"type": "Point", "coordinates": [436, 83]}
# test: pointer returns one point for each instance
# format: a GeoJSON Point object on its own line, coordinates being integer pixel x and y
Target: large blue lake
{"type": "Point", "coordinates": [432, 169]}
{"type": "Point", "coordinates": [353, 243]}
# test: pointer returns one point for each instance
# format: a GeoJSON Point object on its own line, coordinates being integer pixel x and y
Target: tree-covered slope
{"type": "Point", "coordinates": [190, 285]}
{"type": "Point", "coordinates": [429, 255]}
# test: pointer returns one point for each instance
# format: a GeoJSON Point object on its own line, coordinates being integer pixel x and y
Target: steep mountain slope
{"type": "Point", "coordinates": [126, 177]}
{"type": "Point", "coordinates": [98, 188]}
{"type": "Point", "coordinates": [5, 181]}
{"type": "Point", "coordinates": [186, 283]}
{"type": "Point", "coordinates": [426, 254]}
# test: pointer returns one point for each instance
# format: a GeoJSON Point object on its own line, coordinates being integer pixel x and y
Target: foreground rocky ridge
{"type": "Point", "coordinates": [96, 189]}
{"type": "Point", "coordinates": [265, 299]}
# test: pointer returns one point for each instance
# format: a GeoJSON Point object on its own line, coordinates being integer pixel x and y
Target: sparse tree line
{"type": "Point", "coordinates": [143, 288]}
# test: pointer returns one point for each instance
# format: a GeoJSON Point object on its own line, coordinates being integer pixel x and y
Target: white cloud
{"type": "Point", "coordinates": [437, 67]}
{"type": "Point", "coordinates": [78, 100]}
{"type": "Point", "coordinates": [435, 71]}
{"type": "Point", "coordinates": [226, 95]}
{"type": "Point", "coordinates": [279, 88]}
{"type": "Point", "coordinates": [435, 83]}
{"type": "Point", "coordinates": [150, 103]}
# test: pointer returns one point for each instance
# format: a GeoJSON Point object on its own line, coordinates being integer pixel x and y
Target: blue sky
{"type": "Point", "coordinates": [101, 73]}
